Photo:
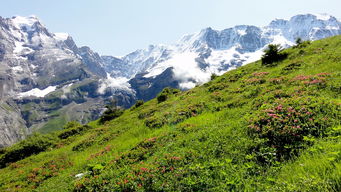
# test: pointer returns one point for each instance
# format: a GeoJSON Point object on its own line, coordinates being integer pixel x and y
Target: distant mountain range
{"type": "Point", "coordinates": [46, 78]}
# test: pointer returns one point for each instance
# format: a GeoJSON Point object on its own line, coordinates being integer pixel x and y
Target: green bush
{"type": "Point", "coordinates": [84, 144]}
{"type": "Point", "coordinates": [110, 114]}
{"type": "Point", "coordinates": [73, 131]}
{"type": "Point", "coordinates": [166, 93]}
{"type": "Point", "coordinates": [301, 44]}
{"type": "Point", "coordinates": [138, 104]}
{"type": "Point", "coordinates": [34, 144]}
{"type": "Point", "coordinates": [214, 76]}
{"type": "Point", "coordinates": [154, 122]}
{"type": "Point", "coordinates": [291, 67]}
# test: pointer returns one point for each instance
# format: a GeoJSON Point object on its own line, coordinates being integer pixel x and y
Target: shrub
{"type": "Point", "coordinates": [301, 44]}
{"type": "Point", "coordinates": [34, 144]}
{"type": "Point", "coordinates": [165, 93]}
{"type": "Point", "coordinates": [71, 124]}
{"type": "Point", "coordinates": [272, 54]}
{"type": "Point", "coordinates": [73, 131]}
{"type": "Point", "coordinates": [298, 41]}
{"type": "Point", "coordinates": [138, 103]}
{"type": "Point", "coordinates": [217, 87]}
{"type": "Point", "coordinates": [49, 169]}
{"type": "Point", "coordinates": [110, 114]}
{"type": "Point", "coordinates": [154, 122]}
{"type": "Point", "coordinates": [214, 76]}
{"type": "Point", "coordinates": [284, 124]}
{"type": "Point", "coordinates": [291, 66]}
{"type": "Point", "coordinates": [84, 144]}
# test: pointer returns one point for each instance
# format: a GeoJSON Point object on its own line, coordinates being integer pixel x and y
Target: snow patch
{"type": "Point", "coordinates": [66, 89]}
{"type": "Point", "coordinates": [27, 22]}
{"type": "Point", "coordinates": [17, 69]}
{"type": "Point", "coordinates": [21, 49]}
{"type": "Point", "coordinates": [61, 36]}
{"type": "Point", "coordinates": [37, 92]}
{"type": "Point", "coordinates": [323, 16]}
{"type": "Point", "coordinates": [241, 32]}
{"type": "Point", "coordinates": [281, 40]}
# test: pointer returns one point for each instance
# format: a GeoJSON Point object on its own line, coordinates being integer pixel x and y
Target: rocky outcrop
{"type": "Point", "coordinates": [13, 127]}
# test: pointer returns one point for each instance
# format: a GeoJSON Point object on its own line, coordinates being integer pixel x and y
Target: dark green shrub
{"type": "Point", "coordinates": [2, 151]}
{"type": "Point", "coordinates": [166, 93]}
{"type": "Point", "coordinates": [34, 144]}
{"type": "Point", "coordinates": [73, 131]}
{"type": "Point", "coordinates": [299, 41]}
{"type": "Point", "coordinates": [138, 104]}
{"type": "Point", "coordinates": [217, 87]}
{"type": "Point", "coordinates": [214, 76]}
{"type": "Point", "coordinates": [154, 122]}
{"type": "Point", "coordinates": [301, 44]}
{"type": "Point", "coordinates": [145, 114]}
{"type": "Point", "coordinates": [110, 114]}
{"type": "Point", "coordinates": [272, 55]}
{"type": "Point", "coordinates": [291, 66]}
{"type": "Point", "coordinates": [84, 144]}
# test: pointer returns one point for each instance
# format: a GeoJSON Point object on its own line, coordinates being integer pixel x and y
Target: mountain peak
{"type": "Point", "coordinates": [27, 23]}
{"type": "Point", "coordinates": [323, 16]}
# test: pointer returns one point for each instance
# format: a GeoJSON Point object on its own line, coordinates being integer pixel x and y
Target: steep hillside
{"type": "Point", "coordinates": [256, 128]}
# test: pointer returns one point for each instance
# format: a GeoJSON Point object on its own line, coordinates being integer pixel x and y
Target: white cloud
{"type": "Point", "coordinates": [114, 83]}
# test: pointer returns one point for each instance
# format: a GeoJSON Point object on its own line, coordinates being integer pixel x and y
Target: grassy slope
{"type": "Point", "coordinates": [200, 139]}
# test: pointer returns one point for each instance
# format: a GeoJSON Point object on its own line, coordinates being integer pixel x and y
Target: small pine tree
{"type": "Point", "coordinates": [213, 76]}
{"type": "Point", "coordinates": [298, 41]}
{"type": "Point", "coordinates": [272, 54]}
{"type": "Point", "coordinates": [112, 112]}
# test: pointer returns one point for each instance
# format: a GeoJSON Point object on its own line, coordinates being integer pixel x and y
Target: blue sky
{"type": "Point", "coordinates": [117, 27]}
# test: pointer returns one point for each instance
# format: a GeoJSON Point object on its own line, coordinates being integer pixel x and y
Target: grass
{"type": "Point", "coordinates": [243, 131]}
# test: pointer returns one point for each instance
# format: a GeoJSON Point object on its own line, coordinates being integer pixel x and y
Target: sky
{"type": "Point", "coordinates": [118, 27]}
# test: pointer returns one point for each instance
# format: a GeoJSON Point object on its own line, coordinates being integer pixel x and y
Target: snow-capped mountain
{"type": "Point", "coordinates": [196, 56]}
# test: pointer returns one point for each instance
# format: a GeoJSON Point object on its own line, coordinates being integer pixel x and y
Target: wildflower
{"type": "Point", "coordinates": [144, 169]}
{"type": "Point", "coordinates": [175, 158]}
{"type": "Point", "coordinates": [323, 74]}
{"type": "Point", "coordinates": [260, 73]}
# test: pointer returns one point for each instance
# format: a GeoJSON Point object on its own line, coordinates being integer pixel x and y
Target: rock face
{"type": "Point", "coordinates": [12, 124]}
{"type": "Point", "coordinates": [47, 80]}
{"type": "Point", "coordinates": [44, 76]}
